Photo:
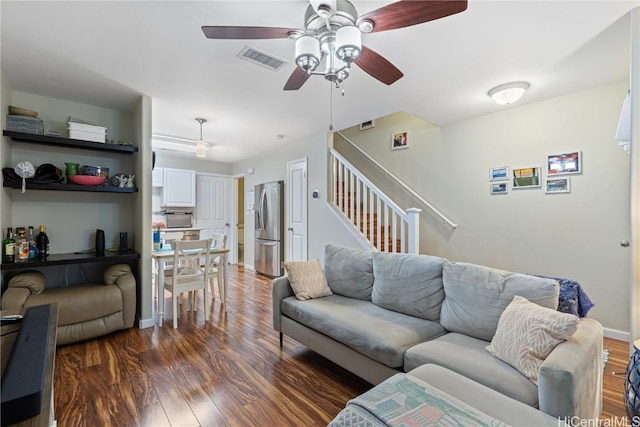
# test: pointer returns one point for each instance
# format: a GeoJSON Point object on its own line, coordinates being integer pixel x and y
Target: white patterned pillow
{"type": "Point", "coordinates": [527, 333]}
{"type": "Point", "coordinates": [307, 279]}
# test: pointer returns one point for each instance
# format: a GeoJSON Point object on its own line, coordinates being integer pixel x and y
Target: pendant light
{"type": "Point", "coordinates": [201, 144]}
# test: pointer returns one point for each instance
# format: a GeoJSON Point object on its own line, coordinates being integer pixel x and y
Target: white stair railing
{"type": "Point", "coordinates": [382, 222]}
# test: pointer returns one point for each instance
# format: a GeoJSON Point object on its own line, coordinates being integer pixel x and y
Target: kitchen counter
{"type": "Point", "coordinates": [180, 229]}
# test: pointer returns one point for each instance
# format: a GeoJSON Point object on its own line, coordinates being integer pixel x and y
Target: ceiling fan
{"type": "Point", "coordinates": [332, 32]}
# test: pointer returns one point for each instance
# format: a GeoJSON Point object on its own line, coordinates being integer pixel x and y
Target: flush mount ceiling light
{"type": "Point", "coordinates": [508, 93]}
{"type": "Point", "coordinates": [201, 144]}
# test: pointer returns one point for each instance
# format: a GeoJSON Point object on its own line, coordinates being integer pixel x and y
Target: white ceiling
{"type": "Point", "coordinates": [107, 53]}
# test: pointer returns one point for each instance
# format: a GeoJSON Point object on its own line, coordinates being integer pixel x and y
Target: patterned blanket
{"type": "Point", "coordinates": [405, 401]}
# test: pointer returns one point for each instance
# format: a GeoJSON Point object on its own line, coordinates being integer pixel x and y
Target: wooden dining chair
{"type": "Point", "coordinates": [169, 237]}
{"type": "Point", "coordinates": [219, 241]}
{"type": "Point", "coordinates": [188, 273]}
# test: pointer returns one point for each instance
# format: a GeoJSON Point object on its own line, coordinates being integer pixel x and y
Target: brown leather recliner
{"type": "Point", "coordinates": [85, 311]}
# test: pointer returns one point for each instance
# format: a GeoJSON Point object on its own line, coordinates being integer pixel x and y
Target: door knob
{"type": "Point", "coordinates": [290, 228]}
{"type": "Point", "coordinates": [624, 243]}
{"type": "Point", "coordinates": [226, 224]}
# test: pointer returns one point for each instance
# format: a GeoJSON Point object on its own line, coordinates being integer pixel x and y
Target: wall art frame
{"type": "Point", "coordinates": [369, 124]}
{"type": "Point", "coordinates": [529, 177]}
{"type": "Point", "coordinates": [500, 173]}
{"type": "Point", "coordinates": [555, 185]}
{"type": "Point", "coordinates": [499, 187]}
{"type": "Point", "coordinates": [564, 163]}
{"type": "Point", "coordinates": [400, 140]}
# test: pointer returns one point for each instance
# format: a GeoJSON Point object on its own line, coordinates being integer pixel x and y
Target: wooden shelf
{"type": "Point", "coordinates": [56, 141]}
{"type": "Point", "coordinates": [72, 258]}
{"type": "Point", "coordinates": [70, 187]}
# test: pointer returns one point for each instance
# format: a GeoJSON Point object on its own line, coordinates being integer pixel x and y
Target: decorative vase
{"type": "Point", "coordinates": [632, 386]}
{"type": "Point", "coordinates": [72, 169]}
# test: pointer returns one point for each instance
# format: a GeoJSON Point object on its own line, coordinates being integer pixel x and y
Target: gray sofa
{"type": "Point", "coordinates": [392, 313]}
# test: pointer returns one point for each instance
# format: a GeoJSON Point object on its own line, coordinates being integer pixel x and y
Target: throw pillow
{"type": "Point", "coordinates": [527, 333]}
{"type": "Point", "coordinates": [307, 279]}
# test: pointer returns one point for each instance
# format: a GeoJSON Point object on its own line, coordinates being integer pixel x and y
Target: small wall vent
{"type": "Point", "coordinates": [260, 58]}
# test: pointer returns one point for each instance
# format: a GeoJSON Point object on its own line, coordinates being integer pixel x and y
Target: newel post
{"type": "Point", "coordinates": [413, 222]}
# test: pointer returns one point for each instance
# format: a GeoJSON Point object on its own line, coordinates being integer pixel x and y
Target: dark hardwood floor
{"type": "Point", "coordinates": [229, 371]}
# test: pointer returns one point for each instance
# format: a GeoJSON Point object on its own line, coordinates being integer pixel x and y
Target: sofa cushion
{"type": "Point", "coordinates": [467, 356]}
{"type": "Point", "coordinates": [476, 296]}
{"type": "Point", "coordinates": [527, 333]}
{"type": "Point", "coordinates": [373, 331]}
{"type": "Point", "coordinates": [307, 279]}
{"type": "Point", "coordinates": [408, 283]}
{"type": "Point", "coordinates": [349, 271]}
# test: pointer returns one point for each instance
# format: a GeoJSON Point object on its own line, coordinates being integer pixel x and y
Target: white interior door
{"type": "Point", "coordinates": [212, 210]}
{"type": "Point", "coordinates": [297, 210]}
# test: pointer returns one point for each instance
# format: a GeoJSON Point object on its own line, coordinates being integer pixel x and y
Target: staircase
{"type": "Point", "coordinates": [374, 216]}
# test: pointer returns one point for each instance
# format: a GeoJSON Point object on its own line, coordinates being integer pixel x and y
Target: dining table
{"type": "Point", "coordinates": [166, 253]}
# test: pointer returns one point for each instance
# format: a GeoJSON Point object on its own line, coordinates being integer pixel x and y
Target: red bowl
{"type": "Point", "coordinates": [86, 179]}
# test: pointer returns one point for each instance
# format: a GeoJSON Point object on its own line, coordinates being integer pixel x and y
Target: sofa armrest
{"type": "Point", "coordinates": [121, 276]}
{"type": "Point", "coordinates": [280, 290]}
{"type": "Point", "coordinates": [570, 379]}
{"type": "Point", "coordinates": [21, 287]}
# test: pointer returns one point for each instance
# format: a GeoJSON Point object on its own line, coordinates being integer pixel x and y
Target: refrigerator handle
{"type": "Point", "coordinates": [263, 208]}
{"type": "Point", "coordinates": [264, 243]}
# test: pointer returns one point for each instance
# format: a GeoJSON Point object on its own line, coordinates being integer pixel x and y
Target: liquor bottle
{"type": "Point", "coordinates": [42, 243]}
{"type": "Point", "coordinates": [22, 246]}
{"type": "Point", "coordinates": [31, 238]}
{"type": "Point", "coordinates": [9, 247]}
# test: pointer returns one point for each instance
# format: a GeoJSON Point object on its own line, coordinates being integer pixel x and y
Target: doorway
{"type": "Point", "coordinates": [238, 186]}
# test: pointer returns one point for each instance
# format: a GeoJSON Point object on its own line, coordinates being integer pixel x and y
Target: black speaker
{"type": "Point", "coordinates": [124, 242]}
{"type": "Point", "coordinates": [99, 242]}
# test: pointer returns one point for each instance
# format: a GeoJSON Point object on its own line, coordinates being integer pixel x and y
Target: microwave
{"type": "Point", "coordinates": [178, 218]}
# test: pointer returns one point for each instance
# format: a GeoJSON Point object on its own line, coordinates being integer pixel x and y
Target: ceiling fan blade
{"type": "Point", "coordinates": [378, 66]}
{"type": "Point", "coordinates": [246, 33]}
{"type": "Point", "coordinates": [296, 80]}
{"type": "Point", "coordinates": [406, 13]}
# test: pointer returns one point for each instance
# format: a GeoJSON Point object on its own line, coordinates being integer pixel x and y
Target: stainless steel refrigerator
{"type": "Point", "coordinates": [269, 229]}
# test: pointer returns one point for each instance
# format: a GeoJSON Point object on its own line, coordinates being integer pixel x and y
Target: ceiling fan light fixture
{"type": "Point", "coordinates": [307, 53]}
{"type": "Point", "coordinates": [366, 26]}
{"type": "Point", "coordinates": [508, 93]}
{"type": "Point", "coordinates": [349, 43]}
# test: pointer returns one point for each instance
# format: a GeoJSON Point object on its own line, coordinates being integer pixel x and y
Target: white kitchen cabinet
{"type": "Point", "coordinates": [179, 188]}
{"type": "Point", "coordinates": [157, 177]}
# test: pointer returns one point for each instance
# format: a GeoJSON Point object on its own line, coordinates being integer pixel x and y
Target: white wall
{"type": "Point", "coordinates": [573, 235]}
{"type": "Point", "coordinates": [5, 154]}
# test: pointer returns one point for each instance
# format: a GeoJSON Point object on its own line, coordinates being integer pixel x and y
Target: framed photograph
{"type": "Point", "coordinates": [558, 185]}
{"type": "Point", "coordinates": [499, 187]}
{"type": "Point", "coordinates": [400, 140]}
{"type": "Point", "coordinates": [526, 177]}
{"type": "Point", "coordinates": [564, 163]}
{"type": "Point", "coordinates": [367, 125]}
{"type": "Point", "coordinates": [499, 174]}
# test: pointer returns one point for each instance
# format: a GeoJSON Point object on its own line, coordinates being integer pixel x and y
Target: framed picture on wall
{"type": "Point", "coordinates": [400, 140]}
{"type": "Point", "coordinates": [499, 174]}
{"type": "Point", "coordinates": [367, 125]}
{"type": "Point", "coordinates": [526, 177]}
{"type": "Point", "coordinates": [499, 187]}
{"type": "Point", "coordinates": [564, 163]}
{"type": "Point", "coordinates": [558, 185]}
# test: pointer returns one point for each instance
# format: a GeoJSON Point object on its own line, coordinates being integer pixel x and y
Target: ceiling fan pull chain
{"type": "Point", "coordinates": [330, 106]}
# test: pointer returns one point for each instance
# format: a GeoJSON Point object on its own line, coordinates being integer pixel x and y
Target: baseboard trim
{"type": "Point", "coordinates": [249, 267]}
{"type": "Point", "coordinates": [146, 323]}
{"type": "Point", "coordinates": [617, 335]}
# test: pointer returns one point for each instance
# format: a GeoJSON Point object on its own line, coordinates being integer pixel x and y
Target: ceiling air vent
{"type": "Point", "coordinates": [260, 58]}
